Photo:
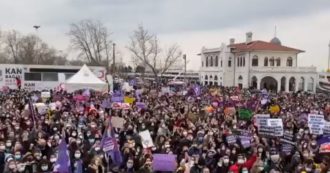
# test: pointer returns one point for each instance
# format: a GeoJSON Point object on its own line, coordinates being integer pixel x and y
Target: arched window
{"type": "Point", "coordinates": [278, 61]}
{"type": "Point", "coordinates": [255, 61]}
{"type": "Point", "coordinates": [216, 78]}
{"type": "Point", "coordinates": [271, 61]}
{"type": "Point", "coordinates": [202, 64]}
{"type": "Point", "coordinates": [243, 61]}
{"type": "Point", "coordinates": [221, 62]}
{"type": "Point", "coordinates": [211, 77]}
{"type": "Point", "coordinates": [266, 62]}
{"type": "Point", "coordinates": [229, 62]}
{"type": "Point", "coordinates": [238, 61]}
{"type": "Point", "coordinates": [289, 62]}
{"type": "Point", "coordinates": [216, 61]}
{"type": "Point", "coordinates": [240, 78]}
{"type": "Point", "coordinates": [206, 77]}
{"type": "Point", "coordinates": [207, 61]}
{"type": "Point", "coordinates": [211, 62]}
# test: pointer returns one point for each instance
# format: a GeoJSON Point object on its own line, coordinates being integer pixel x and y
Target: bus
{"type": "Point", "coordinates": [41, 77]}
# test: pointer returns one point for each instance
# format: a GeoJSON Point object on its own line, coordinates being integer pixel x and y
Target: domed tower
{"type": "Point", "coordinates": [275, 40]}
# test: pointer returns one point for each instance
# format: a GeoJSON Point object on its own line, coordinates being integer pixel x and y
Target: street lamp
{"type": "Point", "coordinates": [185, 66]}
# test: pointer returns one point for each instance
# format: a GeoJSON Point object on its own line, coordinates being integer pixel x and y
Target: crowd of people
{"type": "Point", "coordinates": [203, 129]}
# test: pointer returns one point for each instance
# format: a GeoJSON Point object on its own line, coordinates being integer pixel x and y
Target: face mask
{"type": "Point", "coordinates": [44, 167]}
{"type": "Point", "coordinates": [245, 171]}
{"type": "Point", "coordinates": [74, 134]}
{"type": "Point", "coordinates": [240, 161]}
{"type": "Point", "coordinates": [97, 148]}
{"type": "Point", "coordinates": [308, 169]}
{"type": "Point", "coordinates": [225, 161]}
{"type": "Point", "coordinates": [129, 165]}
{"type": "Point", "coordinates": [8, 144]}
{"type": "Point", "coordinates": [260, 168]}
{"type": "Point", "coordinates": [275, 158]}
{"type": "Point", "coordinates": [91, 140]}
{"type": "Point", "coordinates": [77, 155]}
{"type": "Point", "coordinates": [18, 156]}
{"type": "Point", "coordinates": [53, 159]}
{"type": "Point", "coordinates": [55, 129]}
{"type": "Point", "coordinates": [260, 150]}
{"type": "Point", "coordinates": [21, 169]}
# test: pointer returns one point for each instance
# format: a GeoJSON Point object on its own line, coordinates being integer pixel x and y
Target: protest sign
{"type": "Point", "coordinates": [245, 141]}
{"type": "Point", "coordinates": [316, 123]}
{"type": "Point", "coordinates": [324, 144]}
{"type": "Point", "coordinates": [164, 162]}
{"type": "Point", "coordinates": [277, 125]}
{"type": "Point", "coordinates": [234, 98]}
{"type": "Point", "coordinates": [117, 122]}
{"type": "Point", "coordinates": [42, 108]}
{"type": "Point", "coordinates": [261, 119]}
{"type": "Point", "coordinates": [140, 105]}
{"type": "Point", "coordinates": [287, 149]}
{"type": "Point", "coordinates": [118, 105]}
{"type": "Point", "coordinates": [245, 114]}
{"type": "Point", "coordinates": [326, 128]}
{"type": "Point", "coordinates": [231, 139]}
{"type": "Point", "coordinates": [288, 137]}
{"type": "Point", "coordinates": [108, 144]}
{"type": "Point", "coordinates": [146, 139]}
{"type": "Point", "coordinates": [129, 100]}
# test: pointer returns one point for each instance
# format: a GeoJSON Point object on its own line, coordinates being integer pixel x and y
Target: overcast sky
{"type": "Point", "coordinates": [302, 24]}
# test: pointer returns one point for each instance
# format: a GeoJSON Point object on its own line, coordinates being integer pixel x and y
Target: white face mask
{"type": "Point", "coordinates": [225, 161]}
{"type": "Point", "coordinates": [53, 159]}
{"type": "Point", "coordinates": [77, 155]}
{"type": "Point", "coordinates": [129, 165]}
{"type": "Point", "coordinates": [240, 161]}
{"type": "Point", "coordinates": [275, 158]}
{"type": "Point", "coordinates": [44, 167]}
{"type": "Point", "coordinates": [2, 147]}
{"type": "Point", "coordinates": [11, 166]}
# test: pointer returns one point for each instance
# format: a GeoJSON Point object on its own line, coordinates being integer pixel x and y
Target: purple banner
{"type": "Point", "coordinates": [164, 162]}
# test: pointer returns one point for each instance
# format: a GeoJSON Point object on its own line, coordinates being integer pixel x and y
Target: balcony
{"type": "Point", "coordinates": [283, 70]}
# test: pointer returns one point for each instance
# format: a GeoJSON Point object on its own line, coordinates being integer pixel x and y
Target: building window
{"type": "Point", "coordinates": [206, 77]}
{"type": "Point", "coordinates": [221, 63]}
{"type": "Point", "coordinates": [243, 61]}
{"type": "Point", "coordinates": [49, 77]}
{"type": "Point", "coordinates": [207, 62]}
{"type": "Point", "coordinates": [205, 82]}
{"type": "Point", "coordinates": [238, 61]}
{"type": "Point", "coordinates": [278, 62]}
{"type": "Point", "coordinates": [211, 63]}
{"type": "Point", "coordinates": [216, 61]}
{"type": "Point", "coordinates": [211, 77]}
{"type": "Point", "coordinates": [202, 64]}
{"type": "Point", "coordinates": [266, 62]}
{"type": "Point", "coordinates": [32, 76]}
{"type": "Point", "coordinates": [229, 62]}
{"type": "Point", "coordinates": [215, 77]}
{"type": "Point", "coordinates": [271, 61]}
{"type": "Point", "coordinates": [255, 60]}
{"type": "Point", "coordinates": [289, 62]}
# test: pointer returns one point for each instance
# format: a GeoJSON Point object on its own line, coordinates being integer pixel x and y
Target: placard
{"type": "Point", "coordinates": [231, 139]}
{"type": "Point", "coordinates": [277, 125]}
{"type": "Point", "coordinates": [129, 100]}
{"type": "Point", "coordinates": [108, 145]}
{"type": "Point", "coordinates": [324, 144]}
{"type": "Point", "coordinates": [146, 139]}
{"type": "Point", "coordinates": [245, 141]}
{"type": "Point", "coordinates": [118, 122]}
{"type": "Point", "coordinates": [288, 137]}
{"type": "Point", "coordinates": [316, 123]}
{"type": "Point", "coordinates": [164, 162]}
{"type": "Point", "coordinates": [261, 119]}
{"type": "Point", "coordinates": [326, 128]}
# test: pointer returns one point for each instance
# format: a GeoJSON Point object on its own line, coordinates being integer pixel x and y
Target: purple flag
{"type": "Point", "coordinates": [62, 164]}
{"type": "Point", "coordinates": [164, 162]}
{"type": "Point", "coordinates": [110, 145]}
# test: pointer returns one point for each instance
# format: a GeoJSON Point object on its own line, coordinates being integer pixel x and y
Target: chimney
{"type": "Point", "coordinates": [248, 37]}
{"type": "Point", "coordinates": [232, 41]}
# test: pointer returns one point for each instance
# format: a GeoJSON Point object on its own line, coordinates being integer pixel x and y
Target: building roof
{"type": "Point", "coordinates": [262, 45]}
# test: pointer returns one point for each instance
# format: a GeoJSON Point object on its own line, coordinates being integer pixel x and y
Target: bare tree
{"type": "Point", "coordinates": [91, 39]}
{"type": "Point", "coordinates": [30, 49]}
{"type": "Point", "coordinates": [146, 51]}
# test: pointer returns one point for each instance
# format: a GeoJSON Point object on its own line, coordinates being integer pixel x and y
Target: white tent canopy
{"type": "Point", "coordinates": [85, 79]}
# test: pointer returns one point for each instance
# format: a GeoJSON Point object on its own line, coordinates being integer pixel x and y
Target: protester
{"type": "Point", "coordinates": [208, 130]}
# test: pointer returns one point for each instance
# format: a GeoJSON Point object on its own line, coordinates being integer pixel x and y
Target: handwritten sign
{"type": "Point", "coordinates": [326, 128]}
{"type": "Point", "coordinates": [108, 145]}
{"type": "Point", "coordinates": [231, 139]}
{"type": "Point", "coordinates": [288, 138]}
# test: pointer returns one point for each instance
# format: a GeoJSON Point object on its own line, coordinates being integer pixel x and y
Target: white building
{"type": "Point", "coordinates": [256, 64]}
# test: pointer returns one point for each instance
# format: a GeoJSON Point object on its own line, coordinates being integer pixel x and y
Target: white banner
{"type": "Point", "coordinates": [326, 128]}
